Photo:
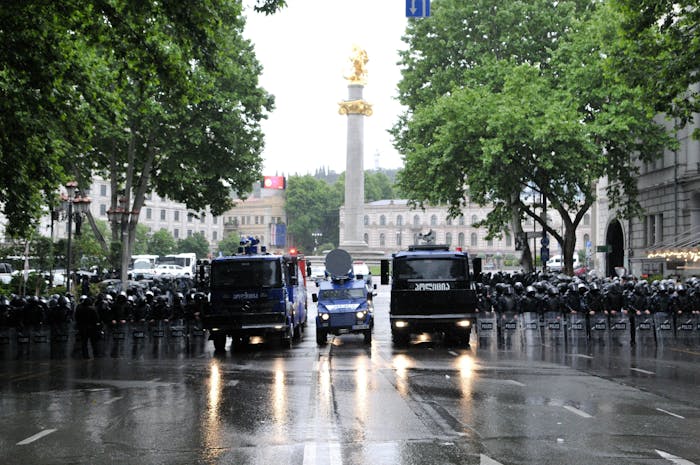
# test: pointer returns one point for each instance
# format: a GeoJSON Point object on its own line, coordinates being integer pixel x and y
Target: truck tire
{"type": "Point", "coordinates": [219, 342]}
{"type": "Point", "coordinates": [368, 336]}
{"type": "Point", "coordinates": [400, 338]}
{"type": "Point", "coordinates": [321, 337]}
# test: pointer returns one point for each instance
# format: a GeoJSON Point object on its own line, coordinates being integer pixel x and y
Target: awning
{"type": "Point", "coordinates": [685, 246]}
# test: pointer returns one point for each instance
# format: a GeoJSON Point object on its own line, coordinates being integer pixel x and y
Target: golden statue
{"type": "Point", "coordinates": [358, 59]}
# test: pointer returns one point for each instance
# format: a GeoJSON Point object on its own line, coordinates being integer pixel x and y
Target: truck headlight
{"type": "Point", "coordinates": [464, 323]}
{"type": "Point", "coordinates": [361, 314]}
{"type": "Point", "coordinates": [401, 324]}
{"type": "Point", "coordinates": [325, 316]}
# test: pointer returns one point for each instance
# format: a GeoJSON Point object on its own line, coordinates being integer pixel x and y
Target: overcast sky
{"type": "Point", "coordinates": [305, 50]}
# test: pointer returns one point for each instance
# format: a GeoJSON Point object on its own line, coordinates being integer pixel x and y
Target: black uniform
{"type": "Point", "coordinates": [88, 324]}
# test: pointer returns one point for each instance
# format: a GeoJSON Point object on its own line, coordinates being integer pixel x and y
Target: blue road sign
{"type": "Point", "coordinates": [417, 8]}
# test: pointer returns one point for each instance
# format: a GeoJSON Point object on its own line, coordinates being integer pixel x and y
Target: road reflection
{"type": "Point", "coordinates": [279, 401]}
{"type": "Point", "coordinates": [212, 422]}
{"type": "Point", "coordinates": [402, 363]}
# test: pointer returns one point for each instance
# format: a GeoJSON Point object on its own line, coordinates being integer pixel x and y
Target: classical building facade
{"type": "Point", "coordinates": [391, 225]}
{"type": "Point", "coordinates": [262, 216]}
{"type": "Point", "coordinates": [665, 240]}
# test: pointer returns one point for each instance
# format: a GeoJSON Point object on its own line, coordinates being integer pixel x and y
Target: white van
{"type": "Point", "coordinates": [556, 263]}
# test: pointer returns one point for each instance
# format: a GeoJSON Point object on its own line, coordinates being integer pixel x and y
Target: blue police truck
{"type": "Point", "coordinates": [344, 302]}
{"type": "Point", "coordinates": [432, 291]}
{"type": "Point", "coordinates": [255, 294]}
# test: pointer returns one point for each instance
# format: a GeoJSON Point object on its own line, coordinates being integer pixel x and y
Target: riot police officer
{"type": "Point", "coordinates": [88, 323]}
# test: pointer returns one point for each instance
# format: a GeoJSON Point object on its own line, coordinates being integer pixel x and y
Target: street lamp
{"type": "Point", "coordinates": [317, 236]}
{"type": "Point", "coordinates": [75, 207]}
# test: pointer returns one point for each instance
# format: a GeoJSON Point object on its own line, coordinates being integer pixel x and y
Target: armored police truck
{"type": "Point", "coordinates": [255, 293]}
{"type": "Point", "coordinates": [344, 302]}
{"type": "Point", "coordinates": [432, 291]}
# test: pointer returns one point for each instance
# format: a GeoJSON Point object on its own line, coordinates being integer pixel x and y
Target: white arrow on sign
{"type": "Point", "coordinates": [413, 8]}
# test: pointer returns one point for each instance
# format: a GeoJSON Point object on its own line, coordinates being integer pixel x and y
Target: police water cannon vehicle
{"type": "Point", "coordinates": [255, 294]}
{"type": "Point", "coordinates": [344, 303]}
{"type": "Point", "coordinates": [432, 291]}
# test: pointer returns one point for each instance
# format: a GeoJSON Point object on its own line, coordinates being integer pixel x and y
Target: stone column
{"type": "Point", "coordinates": [356, 109]}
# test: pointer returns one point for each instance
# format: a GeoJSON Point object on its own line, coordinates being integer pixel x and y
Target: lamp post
{"type": "Point", "coordinates": [74, 207]}
{"type": "Point", "coordinates": [317, 236]}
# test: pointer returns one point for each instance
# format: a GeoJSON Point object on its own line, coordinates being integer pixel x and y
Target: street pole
{"type": "Point", "coordinates": [69, 251]}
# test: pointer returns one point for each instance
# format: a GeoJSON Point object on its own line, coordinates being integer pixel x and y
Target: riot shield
{"type": "Point", "coordinates": [117, 339]}
{"type": "Point", "coordinates": [8, 342]}
{"type": "Point", "coordinates": [576, 329]}
{"type": "Point", "coordinates": [620, 330]}
{"type": "Point", "coordinates": [177, 333]}
{"type": "Point", "coordinates": [553, 328]}
{"type": "Point", "coordinates": [644, 335]}
{"type": "Point", "coordinates": [530, 329]}
{"type": "Point", "coordinates": [663, 325]}
{"type": "Point", "coordinates": [158, 330]}
{"type": "Point", "coordinates": [685, 329]}
{"type": "Point", "coordinates": [599, 328]}
{"type": "Point", "coordinates": [509, 329]}
{"type": "Point", "coordinates": [61, 340]}
{"type": "Point", "coordinates": [486, 328]}
{"type": "Point", "coordinates": [139, 332]}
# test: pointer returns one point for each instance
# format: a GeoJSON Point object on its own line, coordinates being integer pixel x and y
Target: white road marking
{"type": "Point", "coordinates": [335, 455]}
{"type": "Point", "coordinates": [233, 382]}
{"type": "Point", "coordinates": [670, 413]}
{"type": "Point", "coordinates": [154, 380]}
{"type": "Point", "coordinates": [112, 400]}
{"type": "Point", "coordinates": [643, 371]}
{"type": "Point", "coordinates": [309, 453]}
{"type": "Point", "coordinates": [39, 435]}
{"type": "Point", "coordinates": [578, 412]}
{"type": "Point", "coordinates": [502, 381]}
{"type": "Point", "coordinates": [580, 356]}
{"type": "Point", "coordinates": [485, 460]}
{"type": "Point", "coordinates": [453, 353]}
{"type": "Point", "coordinates": [517, 383]}
{"type": "Point", "coordinates": [673, 458]}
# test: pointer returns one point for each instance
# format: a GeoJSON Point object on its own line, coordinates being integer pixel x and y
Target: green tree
{"type": "Point", "coordinates": [659, 53]}
{"type": "Point", "coordinates": [312, 206]}
{"type": "Point", "coordinates": [528, 108]}
{"type": "Point", "coordinates": [196, 243]}
{"type": "Point", "coordinates": [229, 244]}
{"type": "Point", "coordinates": [161, 242]}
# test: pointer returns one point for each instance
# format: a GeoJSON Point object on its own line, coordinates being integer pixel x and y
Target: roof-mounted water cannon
{"type": "Point", "coordinates": [249, 246]}
{"type": "Point", "coordinates": [339, 265]}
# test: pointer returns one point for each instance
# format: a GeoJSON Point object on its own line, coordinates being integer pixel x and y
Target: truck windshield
{"type": "Point", "coordinates": [242, 274]}
{"type": "Point", "coordinates": [329, 294]}
{"type": "Point", "coordinates": [431, 269]}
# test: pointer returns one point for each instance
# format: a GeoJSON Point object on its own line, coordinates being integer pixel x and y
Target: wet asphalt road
{"type": "Point", "coordinates": [348, 403]}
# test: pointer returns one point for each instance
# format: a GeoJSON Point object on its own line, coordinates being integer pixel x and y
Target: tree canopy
{"type": "Point", "coordinates": [498, 106]}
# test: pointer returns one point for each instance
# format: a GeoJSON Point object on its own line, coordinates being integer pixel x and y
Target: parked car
{"type": "Point", "coordinates": [5, 273]}
{"type": "Point", "coordinates": [318, 273]}
{"type": "Point", "coordinates": [556, 263]}
{"type": "Point", "coordinates": [175, 270]}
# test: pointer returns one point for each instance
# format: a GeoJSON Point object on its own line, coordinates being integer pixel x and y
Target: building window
{"type": "Point", "coordinates": [651, 232]}
{"type": "Point", "coordinates": [215, 219]}
{"type": "Point", "coordinates": [586, 219]}
{"type": "Point", "coordinates": [176, 233]}
{"type": "Point", "coordinates": [103, 209]}
{"type": "Point", "coordinates": [398, 238]}
{"type": "Point", "coordinates": [214, 236]}
{"type": "Point", "coordinates": [461, 220]}
{"type": "Point", "coordinates": [366, 220]}
{"type": "Point", "coordinates": [366, 238]}
{"type": "Point", "coordinates": [460, 240]}
{"type": "Point", "coordinates": [433, 220]}
{"type": "Point", "coordinates": [257, 219]}
{"type": "Point", "coordinates": [474, 219]}
{"type": "Point", "coordinates": [202, 218]}
{"type": "Point", "coordinates": [103, 190]}
{"type": "Point", "coordinates": [149, 213]}
{"type": "Point", "coordinates": [489, 243]}
{"type": "Point", "coordinates": [203, 233]}
{"type": "Point", "coordinates": [399, 220]}
{"type": "Point", "coordinates": [176, 215]}
{"type": "Point", "coordinates": [162, 215]}
{"type": "Point", "coordinates": [189, 217]}
{"type": "Point", "coordinates": [448, 238]}
{"type": "Point", "coordinates": [472, 240]}
{"type": "Point", "coordinates": [382, 240]}
{"type": "Point", "coordinates": [382, 220]}
{"type": "Point", "coordinates": [448, 221]}
{"type": "Point", "coordinates": [416, 220]}
{"type": "Point", "coordinates": [509, 240]}
{"type": "Point", "coordinates": [189, 233]}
